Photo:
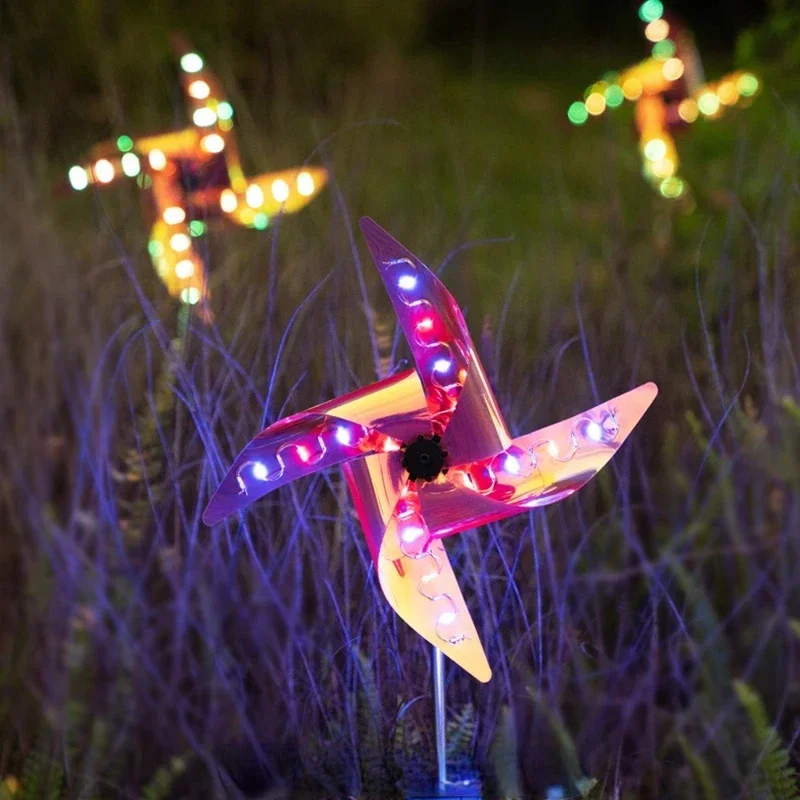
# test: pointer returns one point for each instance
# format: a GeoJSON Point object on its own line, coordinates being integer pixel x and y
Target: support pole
{"type": "Point", "coordinates": [438, 702]}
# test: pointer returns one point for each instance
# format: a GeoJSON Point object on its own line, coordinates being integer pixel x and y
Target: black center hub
{"type": "Point", "coordinates": [424, 458]}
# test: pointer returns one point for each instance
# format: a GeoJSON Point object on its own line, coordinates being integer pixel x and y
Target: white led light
{"type": "Point", "coordinates": [552, 448]}
{"type": "Point", "coordinates": [78, 178]}
{"type": "Point", "coordinates": [441, 365]}
{"type": "Point", "coordinates": [447, 618]}
{"type": "Point", "coordinates": [174, 215]}
{"type": "Point", "coordinates": [594, 432]}
{"type": "Point", "coordinates": [204, 117]}
{"type": "Point", "coordinates": [157, 159]}
{"type": "Point", "coordinates": [280, 190]}
{"type": "Point", "coordinates": [191, 62]}
{"type": "Point", "coordinates": [228, 201]}
{"type": "Point", "coordinates": [213, 143]}
{"type": "Point", "coordinates": [191, 295]}
{"type": "Point", "coordinates": [254, 196]}
{"type": "Point", "coordinates": [305, 184]}
{"type": "Point", "coordinates": [411, 533]}
{"type": "Point", "coordinates": [199, 90]}
{"type": "Point", "coordinates": [184, 269]}
{"type": "Point", "coordinates": [180, 242]}
{"type": "Point", "coordinates": [342, 435]}
{"type": "Point", "coordinates": [260, 471]}
{"type": "Point", "coordinates": [104, 170]}
{"type": "Point", "coordinates": [130, 164]}
{"type": "Point", "coordinates": [512, 465]}
{"type": "Point", "coordinates": [406, 281]}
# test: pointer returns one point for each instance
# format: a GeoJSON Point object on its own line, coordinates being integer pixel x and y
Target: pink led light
{"type": "Point", "coordinates": [411, 533]}
{"type": "Point", "coordinates": [303, 453]}
{"type": "Point", "coordinates": [342, 435]}
{"type": "Point", "coordinates": [442, 365]}
{"type": "Point", "coordinates": [425, 325]}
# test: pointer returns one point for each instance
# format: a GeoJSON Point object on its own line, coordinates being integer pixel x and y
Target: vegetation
{"type": "Point", "coordinates": [643, 634]}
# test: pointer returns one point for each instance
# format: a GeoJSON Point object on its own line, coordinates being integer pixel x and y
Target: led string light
{"type": "Point", "coordinates": [405, 501]}
{"type": "Point", "coordinates": [207, 148]}
{"type": "Point", "coordinates": [669, 91]}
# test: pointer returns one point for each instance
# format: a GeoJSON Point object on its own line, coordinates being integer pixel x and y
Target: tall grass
{"type": "Point", "coordinates": [643, 634]}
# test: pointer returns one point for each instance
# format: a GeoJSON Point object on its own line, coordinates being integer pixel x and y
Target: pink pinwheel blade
{"type": "Point", "coordinates": [537, 469]}
{"type": "Point", "coordinates": [442, 348]}
{"type": "Point", "coordinates": [369, 420]}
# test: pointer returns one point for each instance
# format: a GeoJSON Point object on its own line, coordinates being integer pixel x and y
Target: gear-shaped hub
{"type": "Point", "coordinates": [424, 458]}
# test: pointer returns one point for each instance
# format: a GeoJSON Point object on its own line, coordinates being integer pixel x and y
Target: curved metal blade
{"type": "Point", "coordinates": [440, 343]}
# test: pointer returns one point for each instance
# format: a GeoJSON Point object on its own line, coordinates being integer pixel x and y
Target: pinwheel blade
{"type": "Point", "coordinates": [373, 419]}
{"type": "Point", "coordinates": [537, 469]}
{"type": "Point", "coordinates": [440, 343]}
{"type": "Point", "coordinates": [420, 585]}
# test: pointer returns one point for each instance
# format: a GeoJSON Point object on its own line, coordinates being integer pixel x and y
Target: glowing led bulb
{"type": "Point", "coordinates": [213, 143]}
{"type": "Point", "coordinates": [748, 84]}
{"type": "Point", "coordinates": [305, 184]}
{"type": "Point", "coordinates": [191, 295]}
{"type": "Point", "coordinates": [425, 325]}
{"type": "Point", "coordinates": [708, 104]}
{"type": "Point", "coordinates": [104, 170]}
{"type": "Point", "coordinates": [199, 90]}
{"type": "Point", "coordinates": [577, 113]}
{"type": "Point", "coordinates": [280, 190]}
{"type": "Point", "coordinates": [191, 62]}
{"type": "Point", "coordinates": [552, 448]}
{"type": "Point", "coordinates": [511, 465]}
{"type": "Point", "coordinates": [184, 269]}
{"type": "Point", "coordinates": [447, 618]}
{"type": "Point", "coordinates": [728, 93]}
{"type": "Point", "coordinates": [174, 215]}
{"type": "Point", "coordinates": [651, 10]}
{"type": "Point", "coordinates": [406, 282]}
{"type": "Point", "coordinates": [411, 533]}
{"type": "Point", "coordinates": [632, 89]}
{"type": "Point", "coordinates": [224, 110]}
{"type": "Point", "coordinates": [157, 159]}
{"type": "Point", "coordinates": [614, 96]}
{"type": "Point", "coordinates": [672, 187]}
{"type": "Point", "coordinates": [595, 103]}
{"type": "Point", "coordinates": [260, 221]}
{"type": "Point", "coordinates": [130, 164]}
{"type": "Point", "coordinates": [672, 69]}
{"type": "Point", "coordinates": [78, 178]}
{"type": "Point", "coordinates": [180, 242]}
{"type": "Point", "coordinates": [204, 117]}
{"type": "Point", "coordinates": [655, 149]}
{"type": "Point", "coordinates": [260, 471]}
{"type": "Point", "coordinates": [687, 109]}
{"type": "Point", "coordinates": [342, 435]}
{"type": "Point", "coordinates": [254, 196]}
{"type": "Point", "coordinates": [594, 432]}
{"type": "Point", "coordinates": [657, 30]}
{"type": "Point", "coordinates": [303, 453]}
{"type": "Point", "coordinates": [228, 201]}
{"type": "Point", "coordinates": [441, 365]}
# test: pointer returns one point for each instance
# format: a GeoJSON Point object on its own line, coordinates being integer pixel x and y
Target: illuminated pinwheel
{"type": "Point", "coordinates": [194, 175]}
{"type": "Point", "coordinates": [426, 454]}
{"type": "Point", "coordinates": [670, 92]}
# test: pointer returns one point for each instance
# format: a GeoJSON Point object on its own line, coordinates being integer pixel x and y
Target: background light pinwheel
{"type": "Point", "coordinates": [194, 176]}
{"type": "Point", "coordinates": [426, 454]}
{"type": "Point", "coordinates": [670, 92]}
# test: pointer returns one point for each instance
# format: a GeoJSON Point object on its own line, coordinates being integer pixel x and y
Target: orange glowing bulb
{"type": "Point", "coordinates": [199, 90]}
{"type": "Point", "coordinates": [595, 104]}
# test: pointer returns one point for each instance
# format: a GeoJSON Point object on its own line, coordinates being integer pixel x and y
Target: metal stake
{"type": "Point", "coordinates": [438, 702]}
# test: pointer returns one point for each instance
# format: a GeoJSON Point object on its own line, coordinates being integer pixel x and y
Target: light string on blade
{"type": "Point", "coordinates": [344, 437]}
{"type": "Point", "coordinates": [670, 92]}
{"type": "Point", "coordinates": [413, 533]}
{"type": "Point", "coordinates": [194, 176]}
{"type": "Point", "coordinates": [440, 370]}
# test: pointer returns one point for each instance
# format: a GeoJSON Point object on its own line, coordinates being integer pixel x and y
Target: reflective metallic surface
{"type": "Point", "coordinates": [488, 475]}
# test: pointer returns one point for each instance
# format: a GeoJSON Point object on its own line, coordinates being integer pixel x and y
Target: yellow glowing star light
{"type": "Point", "coordinates": [195, 175]}
{"type": "Point", "coordinates": [670, 91]}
